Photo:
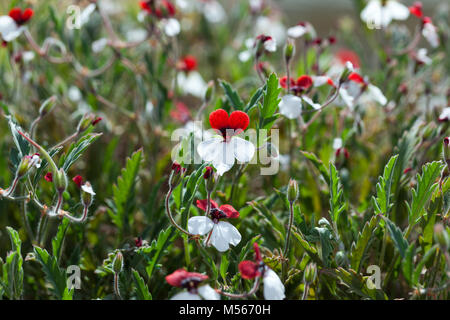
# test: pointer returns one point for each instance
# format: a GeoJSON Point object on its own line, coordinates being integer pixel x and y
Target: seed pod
{"type": "Point", "coordinates": [209, 92]}
{"type": "Point", "coordinates": [47, 106]}
{"type": "Point", "coordinates": [292, 191]}
{"type": "Point", "coordinates": [85, 122]}
{"type": "Point", "coordinates": [177, 175]}
{"type": "Point", "coordinates": [447, 151]}
{"type": "Point", "coordinates": [26, 164]}
{"type": "Point", "coordinates": [289, 51]}
{"type": "Point", "coordinates": [118, 263]}
{"type": "Point", "coordinates": [87, 194]}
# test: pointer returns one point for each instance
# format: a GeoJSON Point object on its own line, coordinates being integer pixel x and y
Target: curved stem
{"type": "Point", "coordinates": [169, 215]}
{"type": "Point", "coordinates": [242, 295]}
{"type": "Point", "coordinates": [288, 234]}
{"type": "Point", "coordinates": [79, 219]}
{"type": "Point", "coordinates": [116, 285]}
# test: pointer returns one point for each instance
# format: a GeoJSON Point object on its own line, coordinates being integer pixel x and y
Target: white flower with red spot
{"type": "Point", "coordinates": [12, 25]}
{"type": "Point", "coordinates": [301, 29]}
{"type": "Point", "coordinates": [367, 91]}
{"type": "Point", "coordinates": [379, 13]}
{"type": "Point", "coordinates": [192, 282]}
{"type": "Point", "coordinates": [421, 56]}
{"type": "Point", "coordinates": [429, 31]}
{"type": "Point", "coordinates": [220, 234]}
{"type": "Point", "coordinates": [291, 104]}
{"type": "Point", "coordinates": [223, 149]}
{"type": "Point", "coordinates": [445, 115]}
{"type": "Point", "coordinates": [273, 287]}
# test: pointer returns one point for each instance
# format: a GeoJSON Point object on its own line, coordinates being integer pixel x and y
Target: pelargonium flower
{"type": "Point", "coordinates": [220, 233]}
{"type": "Point", "coordinates": [445, 115]}
{"type": "Point", "coordinates": [301, 29]}
{"type": "Point", "coordinates": [12, 25]}
{"type": "Point", "coordinates": [421, 56]}
{"type": "Point", "coordinates": [224, 148]}
{"type": "Point", "coordinates": [191, 281]}
{"type": "Point", "coordinates": [273, 287]}
{"type": "Point", "coordinates": [429, 31]}
{"type": "Point", "coordinates": [264, 42]}
{"type": "Point", "coordinates": [379, 13]}
{"type": "Point", "coordinates": [187, 63]}
{"type": "Point", "coordinates": [370, 91]}
{"type": "Point", "coordinates": [160, 8]}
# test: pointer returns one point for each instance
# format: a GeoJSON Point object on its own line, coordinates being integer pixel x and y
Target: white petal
{"type": "Point", "coordinates": [337, 143]}
{"type": "Point", "coordinates": [193, 83]}
{"type": "Point", "coordinates": [209, 149]}
{"type": "Point", "coordinates": [243, 150]}
{"type": "Point", "coordinates": [311, 103]}
{"type": "Point", "coordinates": [200, 225]}
{"type": "Point", "coordinates": [208, 293]}
{"type": "Point", "coordinates": [224, 234]}
{"type": "Point", "coordinates": [136, 35]}
{"type": "Point", "coordinates": [88, 189]}
{"type": "Point", "coordinates": [346, 97]}
{"type": "Point", "coordinates": [86, 13]}
{"type": "Point", "coordinates": [290, 106]}
{"type": "Point", "coordinates": [296, 31]}
{"type": "Point", "coordinates": [245, 55]}
{"type": "Point", "coordinates": [430, 33]}
{"type": "Point", "coordinates": [397, 10]}
{"type": "Point", "coordinates": [270, 45]}
{"type": "Point", "coordinates": [376, 94]}
{"type": "Point", "coordinates": [213, 11]}
{"type": "Point", "coordinates": [224, 160]}
{"type": "Point", "coordinates": [185, 295]}
{"type": "Point", "coordinates": [372, 12]}
{"type": "Point", "coordinates": [273, 287]}
{"type": "Point", "coordinates": [171, 27]}
{"type": "Point", "coordinates": [9, 30]}
{"type": "Point", "coordinates": [422, 56]}
{"type": "Point", "coordinates": [319, 80]}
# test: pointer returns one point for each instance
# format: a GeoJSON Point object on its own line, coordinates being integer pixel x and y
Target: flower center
{"type": "Point", "coordinates": [191, 284]}
{"type": "Point", "coordinates": [217, 214]}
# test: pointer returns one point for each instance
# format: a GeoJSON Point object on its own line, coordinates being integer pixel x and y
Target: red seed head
{"type": "Point", "coordinates": [248, 269]}
{"type": "Point", "coordinates": [21, 17]}
{"type": "Point", "coordinates": [96, 121]}
{"type": "Point", "coordinates": [304, 82]}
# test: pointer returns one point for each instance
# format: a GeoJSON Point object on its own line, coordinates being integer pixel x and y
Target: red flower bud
{"type": "Point", "coordinates": [78, 180]}
{"type": "Point", "coordinates": [49, 177]}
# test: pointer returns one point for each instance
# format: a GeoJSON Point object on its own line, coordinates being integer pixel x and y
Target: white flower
{"type": "Point", "coordinates": [271, 27]}
{"type": "Point", "coordinates": [86, 13]}
{"type": "Point", "coordinates": [422, 56]}
{"type": "Point", "coordinates": [221, 234]}
{"type": "Point", "coordinates": [213, 11]}
{"type": "Point", "coordinates": [379, 13]}
{"type": "Point", "coordinates": [192, 83]}
{"type": "Point", "coordinates": [136, 35]}
{"type": "Point", "coordinates": [99, 45]}
{"type": "Point", "coordinates": [74, 94]}
{"type": "Point", "coordinates": [309, 101]}
{"type": "Point", "coordinates": [205, 292]}
{"type": "Point", "coordinates": [171, 27]}
{"type": "Point", "coordinates": [273, 287]}
{"type": "Point", "coordinates": [270, 45]}
{"type": "Point", "coordinates": [223, 152]}
{"type": "Point", "coordinates": [290, 106]}
{"type": "Point", "coordinates": [445, 114]}
{"type": "Point", "coordinates": [300, 30]}
{"type": "Point", "coordinates": [245, 55]}
{"type": "Point", "coordinates": [35, 161]}
{"type": "Point", "coordinates": [87, 187]}
{"type": "Point", "coordinates": [429, 31]}
{"type": "Point", "coordinates": [28, 56]}
{"type": "Point", "coordinates": [337, 143]}
{"type": "Point", "coordinates": [9, 29]}
{"type": "Point", "coordinates": [374, 93]}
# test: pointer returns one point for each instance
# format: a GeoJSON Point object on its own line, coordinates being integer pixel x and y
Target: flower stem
{"type": "Point", "coordinates": [169, 215]}
{"type": "Point", "coordinates": [288, 233]}
{"type": "Point", "coordinates": [242, 295]}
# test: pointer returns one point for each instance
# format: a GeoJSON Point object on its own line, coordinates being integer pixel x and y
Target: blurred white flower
{"type": "Point", "coordinates": [290, 106]}
{"type": "Point", "coordinates": [136, 35]}
{"type": "Point", "coordinates": [9, 29]}
{"type": "Point", "coordinates": [422, 56]}
{"type": "Point", "coordinates": [337, 143]}
{"type": "Point", "coordinates": [429, 32]}
{"type": "Point", "coordinates": [300, 30]}
{"type": "Point", "coordinates": [213, 11]}
{"type": "Point", "coordinates": [192, 83]}
{"type": "Point", "coordinates": [171, 27]}
{"type": "Point", "coordinates": [99, 45]}
{"type": "Point", "coordinates": [86, 13]}
{"type": "Point", "coordinates": [74, 94]}
{"type": "Point", "coordinates": [270, 27]}
{"type": "Point", "coordinates": [379, 13]}
{"type": "Point", "coordinates": [28, 56]}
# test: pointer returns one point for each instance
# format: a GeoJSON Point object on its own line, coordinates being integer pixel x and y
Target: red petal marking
{"type": "Point", "coordinates": [356, 78]}
{"type": "Point", "coordinates": [229, 211]}
{"type": "Point", "coordinates": [201, 204]}
{"type": "Point", "coordinates": [49, 177]}
{"type": "Point", "coordinates": [258, 257]}
{"type": "Point", "coordinates": [248, 269]}
{"type": "Point", "coordinates": [16, 14]}
{"type": "Point", "coordinates": [331, 83]}
{"type": "Point", "coordinates": [27, 14]}
{"type": "Point", "coordinates": [416, 9]}
{"type": "Point", "coordinates": [189, 63]}
{"type": "Point", "coordinates": [347, 55]}
{"type": "Point", "coordinates": [175, 278]}
{"type": "Point", "coordinates": [218, 119]}
{"type": "Point", "coordinates": [208, 172]}
{"type": "Point", "coordinates": [78, 180]}
{"type": "Point", "coordinates": [426, 20]}
{"type": "Point", "coordinates": [304, 82]}
{"type": "Point", "coordinates": [238, 120]}
{"type": "Point", "coordinates": [169, 7]}
{"type": "Point", "coordinates": [283, 82]}
{"type": "Point", "coordinates": [181, 113]}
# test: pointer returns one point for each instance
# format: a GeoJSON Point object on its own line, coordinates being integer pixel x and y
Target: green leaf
{"type": "Point", "coordinates": [224, 263]}
{"type": "Point", "coordinates": [12, 281]}
{"type": "Point", "coordinates": [318, 164]}
{"type": "Point", "coordinates": [271, 98]}
{"type": "Point", "coordinates": [77, 149]}
{"type": "Point", "coordinates": [141, 288]}
{"type": "Point", "coordinates": [336, 202]}
{"type": "Point", "coordinates": [123, 191]}
{"type": "Point", "coordinates": [397, 237]}
{"type": "Point", "coordinates": [426, 185]}
{"type": "Point", "coordinates": [53, 273]}
{"type": "Point", "coordinates": [408, 263]}
{"type": "Point", "coordinates": [23, 148]}
{"type": "Point", "coordinates": [382, 201]}
{"type": "Point", "coordinates": [254, 99]}
{"type": "Point", "coordinates": [360, 247]}
{"type": "Point", "coordinates": [421, 264]}
{"type": "Point", "coordinates": [232, 95]}
{"type": "Point", "coordinates": [57, 241]}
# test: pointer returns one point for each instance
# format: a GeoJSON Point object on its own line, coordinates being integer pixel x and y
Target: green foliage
{"type": "Point", "coordinates": [270, 104]}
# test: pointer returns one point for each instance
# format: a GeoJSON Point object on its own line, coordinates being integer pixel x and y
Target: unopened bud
{"type": "Point", "coordinates": [310, 274]}
{"type": "Point", "coordinates": [289, 51]}
{"type": "Point", "coordinates": [118, 263]}
{"type": "Point", "coordinates": [177, 175]}
{"type": "Point", "coordinates": [209, 91]}
{"type": "Point", "coordinates": [210, 179]}
{"type": "Point", "coordinates": [60, 181]}
{"type": "Point", "coordinates": [87, 194]}
{"type": "Point", "coordinates": [85, 122]}
{"type": "Point", "coordinates": [441, 237]}
{"type": "Point", "coordinates": [47, 106]}
{"type": "Point", "coordinates": [27, 163]}
{"type": "Point", "coordinates": [292, 191]}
